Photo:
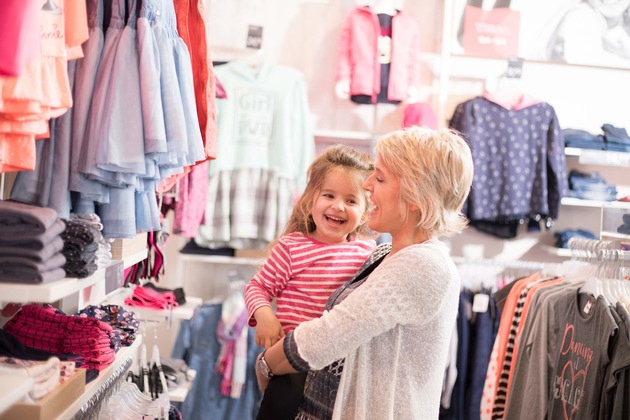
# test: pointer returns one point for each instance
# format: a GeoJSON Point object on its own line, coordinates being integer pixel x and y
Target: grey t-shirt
{"type": "Point", "coordinates": [586, 327]}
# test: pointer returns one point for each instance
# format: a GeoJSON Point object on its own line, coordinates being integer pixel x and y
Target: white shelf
{"type": "Point", "coordinates": [135, 258]}
{"type": "Point", "coordinates": [341, 134]}
{"type": "Point", "coordinates": [614, 235]}
{"type": "Point", "coordinates": [179, 394]}
{"type": "Point", "coordinates": [219, 259]}
{"type": "Point", "coordinates": [90, 389]}
{"type": "Point", "coordinates": [576, 202]}
{"type": "Point", "coordinates": [599, 157]}
{"type": "Point", "coordinates": [57, 290]}
{"type": "Point", "coordinates": [184, 311]}
{"type": "Point", "coordinates": [559, 252]}
{"type": "Point", "coordinates": [13, 388]}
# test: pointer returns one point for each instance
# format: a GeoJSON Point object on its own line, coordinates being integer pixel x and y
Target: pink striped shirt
{"type": "Point", "coordinates": [301, 274]}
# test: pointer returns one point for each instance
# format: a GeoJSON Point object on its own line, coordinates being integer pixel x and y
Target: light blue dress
{"type": "Point", "coordinates": [85, 76]}
{"type": "Point", "coordinates": [121, 140]}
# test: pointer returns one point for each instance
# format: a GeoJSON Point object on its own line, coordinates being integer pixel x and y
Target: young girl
{"type": "Point", "coordinates": [317, 253]}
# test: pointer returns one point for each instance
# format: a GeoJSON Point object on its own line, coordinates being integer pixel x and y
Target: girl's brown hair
{"type": "Point", "coordinates": [354, 163]}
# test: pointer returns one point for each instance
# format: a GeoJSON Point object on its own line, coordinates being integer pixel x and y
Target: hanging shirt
{"type": "Point", "coordinates": [519, 160]}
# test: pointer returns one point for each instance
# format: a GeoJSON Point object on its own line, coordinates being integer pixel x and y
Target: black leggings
{"type": "Point", "coordinates": [283, 397]}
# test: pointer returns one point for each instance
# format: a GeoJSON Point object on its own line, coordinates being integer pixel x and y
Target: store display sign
{"type": "Point", "coordinates": [491, 33]}
{"type": "Point", "coordinates": [593, 33]}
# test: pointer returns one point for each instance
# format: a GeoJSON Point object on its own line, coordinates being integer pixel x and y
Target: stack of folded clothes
{"type": "Point", "coordinates": [615, 139]}
{"type": "Point", "coordinates": [582, 139]}
{"type": "Point", "coordinates": [30, 243]}
{"type": "Point", "coordinates": [46, 375]}
{"type": "Point", "coordinates": [80, 247]}
{"type": "Point", "coordinates": [590, 186]}
{"type": "Point", "coordinates": [151, 297]}
{"type": "Point", "coordinates": [47, 328]}
{"type": "Point", "coordinates": [563, 236]}
{"type": "Point", "coordinates": [104, 252]}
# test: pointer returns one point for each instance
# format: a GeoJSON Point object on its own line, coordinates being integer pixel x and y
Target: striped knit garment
{"type": "Point", "coordinates": [301, 274]}
{"type": "Point", "coordinates": [498, 410]}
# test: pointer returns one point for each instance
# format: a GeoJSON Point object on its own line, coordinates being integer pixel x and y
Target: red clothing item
{"type": "Point", "coordinates": [301, 274]}
{"type": "Point", "coordinates": [357, 54]}
{"type": "Point", "coordinates": [191, 26]}
{"type": "Point", "coordinates": [19, 32]}
{"type": "Point", "coordinates": [420, 114]}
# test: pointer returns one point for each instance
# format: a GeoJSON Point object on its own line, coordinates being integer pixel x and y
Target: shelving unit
{"type": "Point", "coordinates": [576, 202]}
{"type": "Point", "coordinates": [184, 311]}
{"type": "Point", "coordinates": [122, 356]}
{"type": "Point", "coordinates": [599, 157]}
{"type": "Point", "coordinates": [179, 394]}
{"type": "Point", "coordinates": [107, 278]}
{"type": "Point", "coordinates": [57, 290]}
{"type": "Point", "coordinates": [218, 259]}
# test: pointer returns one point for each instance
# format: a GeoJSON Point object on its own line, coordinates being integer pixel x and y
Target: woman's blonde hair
{"type": "Point", "coordinates": [355, 164]}
{"type": "Point", "coordinates": [435, 169]}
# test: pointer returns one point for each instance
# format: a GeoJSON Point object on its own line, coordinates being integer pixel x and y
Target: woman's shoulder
{"type": "Point", "coordinates": [432, 254]}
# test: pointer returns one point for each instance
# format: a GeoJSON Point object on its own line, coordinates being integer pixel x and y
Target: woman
{"type": "Point", "coordinates": [379, 350]}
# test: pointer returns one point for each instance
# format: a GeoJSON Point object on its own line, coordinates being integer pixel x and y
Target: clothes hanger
{"type": "Point", "coordinates": [155, 359]}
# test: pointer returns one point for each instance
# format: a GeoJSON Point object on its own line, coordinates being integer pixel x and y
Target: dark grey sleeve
{"type": "Point", "coordinates": [291, 351]}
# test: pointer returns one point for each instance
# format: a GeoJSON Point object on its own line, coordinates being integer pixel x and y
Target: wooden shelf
{"type": "Point", "coordinates": [57, 290]}
{"type": "Point", "coordinates": [104, 375]}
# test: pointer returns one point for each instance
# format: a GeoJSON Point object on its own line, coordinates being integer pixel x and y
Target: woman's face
{"type": "Point", "coordinates": [384, 189]}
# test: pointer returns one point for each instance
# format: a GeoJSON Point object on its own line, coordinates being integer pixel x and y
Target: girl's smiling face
{"type": "Point", "coordinates": [338, 208]}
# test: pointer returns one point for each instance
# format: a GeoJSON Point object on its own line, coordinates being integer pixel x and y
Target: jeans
{"type": "Point", "coordinates": [563, 236]}
{"type": "Point", "coordinates": [590, 186]}
{"type": "Point", "coordinates": [615, 135]}
{"type": "Point", "coordinates": [582, 139]}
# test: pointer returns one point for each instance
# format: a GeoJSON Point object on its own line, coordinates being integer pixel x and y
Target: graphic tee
{"type": "Point", "coordinates": [581, 357]}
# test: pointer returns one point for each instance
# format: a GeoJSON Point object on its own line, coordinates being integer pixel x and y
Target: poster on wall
{"type": "Point", "coordinates": [587, 32]}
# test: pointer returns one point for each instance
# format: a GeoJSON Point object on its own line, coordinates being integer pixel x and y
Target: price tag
{"type": "Point", "coordinates": [587, 307]}
{"type": "Point", "coordinates": [481, 302]}
{"type": "Point", "coordinates": [515, 68]}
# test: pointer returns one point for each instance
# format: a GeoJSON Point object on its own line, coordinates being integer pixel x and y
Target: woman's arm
{"type": "Point", "coordinates": [277, 363]}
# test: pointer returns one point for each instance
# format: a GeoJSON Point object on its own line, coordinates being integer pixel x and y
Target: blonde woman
{"type": "Point", "coordinates": [379, 350]}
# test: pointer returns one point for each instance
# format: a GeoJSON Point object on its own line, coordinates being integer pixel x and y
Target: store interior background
{"type": "Point", "coordinates": [303, 34]}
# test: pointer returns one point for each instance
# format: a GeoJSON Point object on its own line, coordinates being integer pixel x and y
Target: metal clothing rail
{"type": "Point", "coordinates": [514, 264]}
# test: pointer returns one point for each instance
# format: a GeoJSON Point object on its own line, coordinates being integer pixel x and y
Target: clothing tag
{"type": "Point", "coordinates": [254, 37]}
{"type": "Point", "coordinates": [587, 307]}
{"type": "Point", "coordinates": [384, 46]}
{"type": "Point", "coordinates": [480, 302]}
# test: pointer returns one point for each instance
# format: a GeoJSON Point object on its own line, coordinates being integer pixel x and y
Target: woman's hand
{"type": "Point", "coordinates": [262, 379]}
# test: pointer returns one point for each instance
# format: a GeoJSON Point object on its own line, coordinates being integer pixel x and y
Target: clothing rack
{"type": "Point", "coordinates": [92, 407]}
{"type": "Point", "coordinates": [507, 264]}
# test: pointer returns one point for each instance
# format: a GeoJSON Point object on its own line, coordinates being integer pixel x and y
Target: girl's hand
{"type": "Point", "coordinates": [268, 331]}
